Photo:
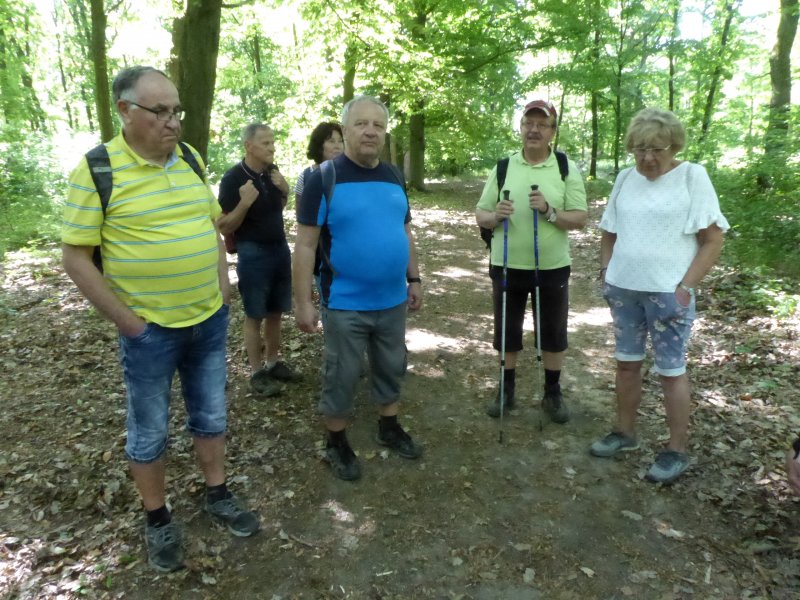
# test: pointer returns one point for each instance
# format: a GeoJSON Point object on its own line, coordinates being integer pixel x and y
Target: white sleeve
{"type": "Point", "coordinates": [704, 210]}
{"type": "Point", "coordinates": [609, 221]}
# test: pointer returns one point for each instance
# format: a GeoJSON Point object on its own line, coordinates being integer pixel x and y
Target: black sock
{"type": "Point", "coordinates": [551, 377]}
{"type": "Point", "coordinates": [389, 422]}
{"type": "Point", "coordinates": [337, 438]}
{"type": "Point", "coordinates": [215, 493]}
{"type": "Point", "coordinates": [158, 517]}
{"type": "Point", "coordinates": [510, 378]}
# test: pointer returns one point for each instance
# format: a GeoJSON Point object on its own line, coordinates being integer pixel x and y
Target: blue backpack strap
{"type": "Point", "coordinates": [563, 164]}
{"type": "Point", "coordinates": [327, 171]}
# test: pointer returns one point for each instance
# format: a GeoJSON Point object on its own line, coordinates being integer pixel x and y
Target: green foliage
{"type": "Point", "coordinates": [28, 183]}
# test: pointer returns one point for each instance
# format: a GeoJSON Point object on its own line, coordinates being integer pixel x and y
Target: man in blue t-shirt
{"type": "Point", "coordinates": [369, 278]}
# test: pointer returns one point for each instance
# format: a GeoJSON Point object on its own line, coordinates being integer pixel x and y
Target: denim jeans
{"type": "Point", "coordinates": [149, 362]}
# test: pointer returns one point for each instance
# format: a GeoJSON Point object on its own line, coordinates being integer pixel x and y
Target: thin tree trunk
{"type": "Point", "coordinates": [102, 94]}
{"type": "Point", "coordinates": [780, 75]}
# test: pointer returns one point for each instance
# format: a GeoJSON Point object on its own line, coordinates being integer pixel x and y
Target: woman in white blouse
{"type": "Point", "coordinates": [662, 231]}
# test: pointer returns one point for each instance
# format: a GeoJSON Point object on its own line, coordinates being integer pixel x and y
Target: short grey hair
{"type": "Point", "coordinates": [250, 131]}
{"type": "Point", "coordinates": [125, 81]}
{"type": "Point", "coordinates": [363, 98]}
{"type": "Point", "coordinates": [653, 125]}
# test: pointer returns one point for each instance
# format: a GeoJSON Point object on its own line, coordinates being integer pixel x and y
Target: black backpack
{"type": "Point", "coordinates": [103, 178]}
{"type": "Point", "coordinates": [502, 170]}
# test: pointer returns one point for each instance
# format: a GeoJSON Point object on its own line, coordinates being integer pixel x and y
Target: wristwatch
{"type": "Point", "coordinates": [553, 215]}
{"type": "Point", "coordinates": [686, 288]}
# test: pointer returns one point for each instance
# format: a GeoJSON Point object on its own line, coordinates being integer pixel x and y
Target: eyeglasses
{"type": "Point", "coordinates": [656, 152]}
{"type": "Point", "coordinates": [536, 125]}
{"type": "Point", "coordinates": [162, 114]}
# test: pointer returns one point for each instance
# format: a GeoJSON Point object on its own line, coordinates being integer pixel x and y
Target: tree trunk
{"type": "Point", "coordinates": [716, 75]}
{"type": "Point", "coordinates": [595, 136]}
{"type": "Point", "coordinates": [780, 75]}
{"type": "Point", "coordinates": [416, 146]}
{"type": "Point", "coordinates": [350, 66]}
{"type": "Point", "coordinates": [673, 40]}
{"type": "Point", "coordinates": [102, 95]}
{"type": "Point", "coordinates": [194, 67]}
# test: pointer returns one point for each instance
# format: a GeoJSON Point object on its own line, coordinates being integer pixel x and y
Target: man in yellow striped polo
{"type": "Point", "coordinates": [164, 284]}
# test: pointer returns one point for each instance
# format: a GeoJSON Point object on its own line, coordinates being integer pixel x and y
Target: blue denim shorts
{"type": "Point", "coordinates": [265, 278]}
{"type": "Point", "coordinates": [347, 334]}
{"type": "Point", "coordinates": [149, 362]}
{"type": "Point", "coordinates": [669, 323]}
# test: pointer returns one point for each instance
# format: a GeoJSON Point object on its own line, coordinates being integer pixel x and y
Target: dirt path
{"type": "Point", "coordinates": [532, 518]}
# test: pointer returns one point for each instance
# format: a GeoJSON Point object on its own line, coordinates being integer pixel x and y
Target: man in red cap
{"type": "Point", "coordinates": [560, 199]}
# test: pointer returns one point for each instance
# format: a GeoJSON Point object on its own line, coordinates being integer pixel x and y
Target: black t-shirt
{"type": "Point", "coordinates": [264, 220]}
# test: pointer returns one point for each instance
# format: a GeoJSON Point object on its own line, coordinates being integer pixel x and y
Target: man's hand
{"type": "Point", "coordinates": [279, 181]}
{"type": "Point", "coordinates": [536, 201]}
{"type": "Point", "coordinates": [306, 316]}
{"type": "Point", "coordinates": [414, 296]}
{"type": "Point", "coordinates": [248, 193]}
{"type": "Point", "coordinates": [504, 209]}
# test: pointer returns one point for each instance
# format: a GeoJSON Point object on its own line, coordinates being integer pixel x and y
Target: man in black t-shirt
{"type": "Point", "coordinates": [253, 195]}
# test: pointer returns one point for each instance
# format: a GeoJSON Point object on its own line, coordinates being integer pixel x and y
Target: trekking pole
{"type": "Point", "coordinates": [503, 324]}
{"type": "Point", "coordinates": [537, 315]}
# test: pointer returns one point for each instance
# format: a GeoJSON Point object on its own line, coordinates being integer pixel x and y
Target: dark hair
{"type": "Point", "coordinates": [126, 79]}
{"type": "Point", "coordinates": [319, 136]}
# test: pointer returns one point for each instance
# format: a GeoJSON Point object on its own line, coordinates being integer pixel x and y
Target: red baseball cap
{"type": "Point", "coordinates": [543, 105]}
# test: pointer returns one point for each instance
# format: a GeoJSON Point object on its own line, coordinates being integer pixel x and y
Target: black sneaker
{"type": "Point", "coordinates": [493, 408]}
{"type": "Point", "coordinates": [553, 404]}
{"type": "Point", "coordinates": [343, 462]}
{"type": "Point", "coordinates": [164, 547]}
{"type": "Point", "coordinates": [398, 440]}
{"type": "Point", "coordinates": [264, 384]}
{"type": "Point", "coordinates": [231, 512]}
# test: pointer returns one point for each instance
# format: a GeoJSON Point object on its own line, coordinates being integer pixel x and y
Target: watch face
{"type": "Point", "coordinates": [553, 217]}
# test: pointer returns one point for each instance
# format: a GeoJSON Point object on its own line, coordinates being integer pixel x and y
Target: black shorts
{"type": "Point", "coordinates": [553, 306]}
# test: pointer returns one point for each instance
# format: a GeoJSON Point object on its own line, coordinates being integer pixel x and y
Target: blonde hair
{"type": "Point", "coordinates": [651, 125]}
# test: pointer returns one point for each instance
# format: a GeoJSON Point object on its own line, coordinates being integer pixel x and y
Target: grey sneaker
{"type": "Point", "coordinates": [554, 406]}
{"type": "Point", "coordinates": [164, 547]}
{"type": "Point", "coordinates": [493, 408]}
{"type": "Point", "coordinates": [264, 384]}
{"type": "Point", "coordinates": [669, 465]}
{"type": "Point", "coordinates": [398, 440]}
{"type": "Point", "coordinates": [283, 372]}
{"type": "Point", "coordinates": [611, 444]}
{"type": "Point", "coordinates": [343, 462]}
{"type": "Point", "coordinates": [232, 513]}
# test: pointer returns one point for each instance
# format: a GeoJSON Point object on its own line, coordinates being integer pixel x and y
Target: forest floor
{"type": "Point", "coordinates": [533, 517]}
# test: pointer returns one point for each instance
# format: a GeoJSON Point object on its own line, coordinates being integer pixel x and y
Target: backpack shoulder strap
{"type": "Point", "coordinates": [563, 164]}
{"type": "Point", "coordinates": [327, 171]}
{"type": "Point", "coordinates": [189, 159]}
{"type": "Point", "coordinates": [502, 171]}
{"type": "Point", "coordinates": [100, 170]}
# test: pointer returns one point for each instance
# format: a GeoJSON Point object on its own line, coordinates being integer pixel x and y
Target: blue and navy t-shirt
{"type": "Point", "coordinates": [364, 243]}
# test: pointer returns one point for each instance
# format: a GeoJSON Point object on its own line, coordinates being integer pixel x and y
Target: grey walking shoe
{"type": "Point", "coordinates": [231, 512]}
{"type": "Point", "coordinates": [493, 408]}
{"type": "Point", "coordinates": [398, 440]}
{"type": "Point", "coordinates": [343, 461]}
{"type": "Point", "coordinates": [164, 547]}
{"type": "Point", "coordinates": [553, 404]}
{"type": "Point", "coordinates": [264, 384]}
{"type": "Point", "coordinates": [669, 465]}
{"type": "Point", "coordinates": [613, 443]}
{"type": "Point", "coordinates": [283, 372]}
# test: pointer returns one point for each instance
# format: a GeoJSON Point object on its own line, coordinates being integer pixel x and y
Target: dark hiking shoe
{"type": "Point", "coordinates": [398, 440]}
{"type": "Point", "coordinates": [553, 404]}
{"type": "Point", "coordinates": [164, 547]}
{"type": "Point", "coordinates": [613, 443]}
{"type": "Point", "coordinates": [343, 462]}
{"type": "Point", "coordinates": [669, 465]}
{"type": "Point", "coordinates": [264, 384]}
{"type": "Point", "coordinates": [283, 372]}
{"type": "Point", "coordinates": [493, 408]}
{"type": "Point", "coordinates": [231, 512]}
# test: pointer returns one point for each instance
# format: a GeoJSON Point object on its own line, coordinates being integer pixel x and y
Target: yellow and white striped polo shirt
{"type": "Point", "coordinates": [157, 237]}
